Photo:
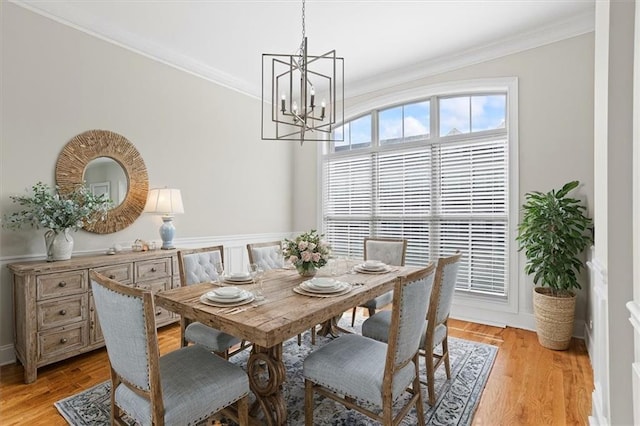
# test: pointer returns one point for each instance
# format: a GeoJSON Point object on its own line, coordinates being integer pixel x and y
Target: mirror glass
{"type": "Point", "coordinates": [105, 175]}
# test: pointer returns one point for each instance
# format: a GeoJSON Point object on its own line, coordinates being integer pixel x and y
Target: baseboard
{"type": "Point", "coordinates": [597, 417]}
{"type": "Point", "coordinates": [7, 355]}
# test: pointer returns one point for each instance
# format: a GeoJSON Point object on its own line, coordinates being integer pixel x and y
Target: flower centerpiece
{"type": "Point", "coordinates": [59, 213]}
{"type": "Point", "coordinates": [307, 252]}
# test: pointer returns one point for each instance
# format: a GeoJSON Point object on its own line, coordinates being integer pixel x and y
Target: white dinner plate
{"type": "Point", "coordinates": [339, 286]}
{"type": "Point", "coordinates": [320, 282]}
{"type": "Point", "coordinates": [359, 268]}
{"type": "Point", "coordinates": [226, 304]}
{"type": "Point", "coordinates": [239, 298]}
{"type": "Point", "coordinates": [373, 268]}
{"type": "Point", "coordinates": [226, 292]}
{"type": "Point", "coordinates": [236, 281]}
{"type": "Point", "coordinates": [238, 276]}
{"type": "Point", "coordinates": [301, 290]}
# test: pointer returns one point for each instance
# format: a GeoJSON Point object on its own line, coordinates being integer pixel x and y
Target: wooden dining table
{"type": "Point", "coordinates": [282, 315]}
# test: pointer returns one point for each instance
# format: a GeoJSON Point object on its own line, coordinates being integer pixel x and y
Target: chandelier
{"type": "Point", "coordinates": [302, 94]}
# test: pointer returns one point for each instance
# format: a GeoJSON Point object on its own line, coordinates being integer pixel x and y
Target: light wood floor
{"type": "Point", "coordinates": [529, 385]}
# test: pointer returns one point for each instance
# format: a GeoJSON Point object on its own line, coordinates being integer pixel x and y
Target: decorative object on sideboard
{"type": "Point", "coordinates": [166, 202]}
{"type": "Point", "coordinates": [58, 212]}
{"type": "Point", "coordinates": [106, 161]}
{"type": "Point", "coordinates": [292, 85]}
{"type": "Point", "coordinates": [554, 232]}
{"type": "Point", "coordinates": [307, 252]}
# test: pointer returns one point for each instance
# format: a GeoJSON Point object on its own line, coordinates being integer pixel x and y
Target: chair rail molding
{"type": "Point", "coordinates": [235, 257]}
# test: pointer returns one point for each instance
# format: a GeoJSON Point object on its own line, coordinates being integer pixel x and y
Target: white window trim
{"type": "Point", "coordinates": [510, 84]}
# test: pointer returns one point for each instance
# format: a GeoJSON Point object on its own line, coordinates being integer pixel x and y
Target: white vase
{"type": "Point", "coordinates": [59, 245]}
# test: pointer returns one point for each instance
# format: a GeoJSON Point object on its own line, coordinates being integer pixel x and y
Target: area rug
{"type": "Point", "coordinates": [457, 398]}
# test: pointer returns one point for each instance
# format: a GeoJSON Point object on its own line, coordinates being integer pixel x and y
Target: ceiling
{"type": "Point", "coordinates": [382, 42]}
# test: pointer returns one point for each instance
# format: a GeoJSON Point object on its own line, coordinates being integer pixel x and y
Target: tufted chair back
{"type": "Point", "coordinates": [199, 265]}
{"type": "Point", "coordinates": [388, 250]}
{"type": "Point", "coordinates": [266, 255]}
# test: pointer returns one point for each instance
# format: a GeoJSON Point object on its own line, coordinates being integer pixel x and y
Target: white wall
{"type": "Point", "coordinates": [194, 135]}
{"type": "Point", "coordinates": [555, 140]}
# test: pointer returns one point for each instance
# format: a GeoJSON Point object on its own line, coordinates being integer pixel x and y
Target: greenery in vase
{"type": "Point", "coordinates": [307, 250]}
{"type": "Point", "coordinates": [553, 232]}
{"type": "Point", "coordinates": [47, 208]}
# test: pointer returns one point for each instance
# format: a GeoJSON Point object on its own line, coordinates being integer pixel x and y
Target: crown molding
{"type": "Point", "coordinates": [561, 30]}
{"type": "Point", "coordinates": [75, 18]}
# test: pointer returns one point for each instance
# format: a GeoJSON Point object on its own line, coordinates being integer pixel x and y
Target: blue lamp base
{"type": "Point", "coordinates": [167, 231]}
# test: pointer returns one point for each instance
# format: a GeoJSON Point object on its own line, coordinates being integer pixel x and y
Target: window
{"type": "Point", "coordinates": [440, 180]}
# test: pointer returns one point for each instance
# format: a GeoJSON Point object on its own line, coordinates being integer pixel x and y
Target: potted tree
{"type": "Point", "coordinates": [553, 233]}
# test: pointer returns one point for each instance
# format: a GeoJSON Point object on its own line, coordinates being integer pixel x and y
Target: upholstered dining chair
{"type": "Point", "coordinates": [436, 330]}
{"type": "Point", "coordinates": [354, 369]}
{"type": "Point", "coordinates": [197, 266]}
{"type": "Point", "coordinates": [266, 255]}
{"type": "Point", "coordinates": [182, 387]}
{"type": "Point", "coordinates": [269, 256]}
{"type": "Point", "coordinates": [391, 251]}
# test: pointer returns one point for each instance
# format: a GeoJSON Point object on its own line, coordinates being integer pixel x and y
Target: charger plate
{"type": "Point", "coordinates": [360, 269]}
{"type": "Point", "coordinates": [206, 301]}
{"type": "Point", "coordinates": [308, 293]}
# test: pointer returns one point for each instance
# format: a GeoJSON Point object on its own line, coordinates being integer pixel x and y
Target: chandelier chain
{"type": "Point", "coordinates": [304, 32]}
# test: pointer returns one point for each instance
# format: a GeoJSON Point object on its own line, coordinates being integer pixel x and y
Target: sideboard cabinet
{"type": "Point", "coordinates": [54, 314]}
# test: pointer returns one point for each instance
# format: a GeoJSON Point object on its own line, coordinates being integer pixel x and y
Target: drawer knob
{"type": "Point", "coordinates": [63, 340]}
{"type": "Point", "coordinates": [62, 284]}
{"type": "Point", "coordinates": [153, 269]}
{"type": "Point", "coordinates": [63, 312]}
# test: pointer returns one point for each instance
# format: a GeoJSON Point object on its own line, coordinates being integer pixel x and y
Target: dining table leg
{"type": "Point", "coordinates": [266, 376]}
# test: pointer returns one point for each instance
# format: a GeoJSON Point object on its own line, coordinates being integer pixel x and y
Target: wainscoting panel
{"type": "Point", "coordinates": [634, 309]}
{"type": "Point", "coordinates": [598, 344]}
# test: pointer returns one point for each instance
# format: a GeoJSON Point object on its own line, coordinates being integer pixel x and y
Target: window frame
{"type": "Point", "coordinates": [474, 87]}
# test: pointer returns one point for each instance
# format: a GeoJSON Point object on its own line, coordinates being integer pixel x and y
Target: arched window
{"type": "Point", "coordinates": [434, 170]}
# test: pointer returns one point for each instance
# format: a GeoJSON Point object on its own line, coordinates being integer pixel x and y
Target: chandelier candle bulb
{"type": "Point", "coordinates": [283, 103]}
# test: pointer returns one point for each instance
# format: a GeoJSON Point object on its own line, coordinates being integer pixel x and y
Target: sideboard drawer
{"type": "Point", "coordinates": [59, 312]}
{"type": "Point", "coordinates": [122, 273]}
{"type": "Point", "coordinates": [59, 341]}
{"type": "Point", "coordinates": [61, 284]}
{"type": "Point", "coordinates": [151, 269]}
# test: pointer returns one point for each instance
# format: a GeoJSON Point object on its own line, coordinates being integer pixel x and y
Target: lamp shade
{"type": "Point", "coordinates": [164, 201]}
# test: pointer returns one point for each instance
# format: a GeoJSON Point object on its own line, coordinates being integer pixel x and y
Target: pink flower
{"type": "Point", "coordinates": [302, 245]}
{"type": "Point", "coordinates": [311, 246]}
{"type": "Point", "coordinates": [293, 259]}
{"type": "Point", "coordinates": [315, 257]}
{"type": "Point", "coordinates": [306, 256]}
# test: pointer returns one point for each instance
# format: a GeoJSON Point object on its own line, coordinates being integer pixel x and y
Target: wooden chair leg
{"type": "Point", "coordinates": [313, 335]}
{"type": "Point", "coordinates": [353, 316]}
{"type": "Point", "coordinates": [308, 403]}
{"type": "Point", "coordinates": [417, 389]}
{"type": "Point", "coordinates": [372, 312]}
{"type": "Point", "coordinates": [428, 359]}
{"type": "Point", "coordinates": [299, 339]}
{"type": "Point", "coordinates": [445, 357]}
{"type": "Point", "coordinates": [243, 411]}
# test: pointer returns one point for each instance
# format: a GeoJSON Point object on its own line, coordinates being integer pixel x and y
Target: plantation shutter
{"type": "Point", "coordinates": [441, 193]}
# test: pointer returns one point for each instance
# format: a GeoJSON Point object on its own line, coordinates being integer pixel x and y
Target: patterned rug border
{"type": "Point", "coordinates": [456, 401]}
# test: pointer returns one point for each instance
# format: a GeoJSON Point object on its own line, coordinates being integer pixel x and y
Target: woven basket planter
{"type": "Point", "coordinates": [554, 318]}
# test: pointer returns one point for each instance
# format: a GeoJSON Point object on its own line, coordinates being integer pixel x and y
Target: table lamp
{"type": "Point", "coordinates": [166, 202]}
